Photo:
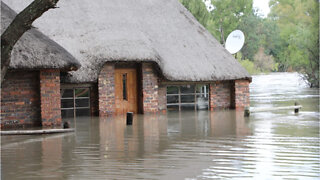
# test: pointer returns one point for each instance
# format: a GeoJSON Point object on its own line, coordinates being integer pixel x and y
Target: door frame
{"type": "Point", "coordinates": [137, 67]}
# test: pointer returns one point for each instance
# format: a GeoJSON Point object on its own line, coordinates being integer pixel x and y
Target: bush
{"type": "Point", "coordinates": [249, 66]}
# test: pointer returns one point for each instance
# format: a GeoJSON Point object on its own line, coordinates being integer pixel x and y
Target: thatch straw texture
{"type": "Point", "coordinates": [162, 31]}
{"type": "Point", "coordinates": [34, 50]}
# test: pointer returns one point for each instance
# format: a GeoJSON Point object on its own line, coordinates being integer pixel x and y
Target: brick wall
{"type": "Point", "coordinates": [242, 96]}
{"type": "Point", "coordinates": [220, 95]}
{"type": "Point", "coordinates": [106, 90]}
{"type": "Point", "coordinates": [20, 99]}
{"type": "Point", "coordinates": [162, 92]}
{"type": "Point", "coordinates": [50, 97]}
{"type": "Point", "coordinates": [149, 88]}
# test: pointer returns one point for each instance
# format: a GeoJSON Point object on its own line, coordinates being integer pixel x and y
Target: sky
{"type": "Point", "coordinates": [263, 6]}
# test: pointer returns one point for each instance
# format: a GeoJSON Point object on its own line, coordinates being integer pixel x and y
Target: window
{"type": "Point", "coordinates": [188, 97]}
{"type": "Point", "coordinates": [75, 102]}
{"type": "Point", "coordinates": [124, 85]}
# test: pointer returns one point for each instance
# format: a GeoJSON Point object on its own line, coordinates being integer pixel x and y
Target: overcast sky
{"type": "Point", "coordinates": [263, 6]}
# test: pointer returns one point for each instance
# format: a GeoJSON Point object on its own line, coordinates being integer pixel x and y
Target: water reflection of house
{"type": "Point", "coordinates": [225, 123]}
{"type": "Point", "coordinates": [140, 56]}
{"type": "Point", "coordinates": [34, 158]}
{"type": "Point", "coordinates": [211, 124]}
{"type": "Point", "coordinates": [142, 139]}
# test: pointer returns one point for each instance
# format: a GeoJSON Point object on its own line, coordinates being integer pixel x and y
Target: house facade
{"type": "Point", "coordinates": [142, 57]}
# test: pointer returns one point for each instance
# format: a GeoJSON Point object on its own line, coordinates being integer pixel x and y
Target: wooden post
{"type": "Point", "coordinates": [296, 110]}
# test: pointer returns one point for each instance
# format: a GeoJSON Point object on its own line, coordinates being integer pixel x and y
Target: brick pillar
{"type": "Point", "coordinates": [162, 95]}
{"type": "Point", "coordinates": [106, 90]}
{"type": "Point", "coordinates": [50, 97]}
{"type": "Point", "coordinates": [241, 94]}
{"type": "Point", "coordinates": [220, 95]}
{"type": "Point", "coordinates": [149, 88]}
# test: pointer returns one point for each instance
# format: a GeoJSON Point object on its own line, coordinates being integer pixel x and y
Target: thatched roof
{"type": "Point", "coordinates": [35, 50]}
{"type": "Point", "coordinates": [162, 31]}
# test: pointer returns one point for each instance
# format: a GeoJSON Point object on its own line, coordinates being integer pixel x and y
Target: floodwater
{"type": "Point", "coordinates": [183, 145]}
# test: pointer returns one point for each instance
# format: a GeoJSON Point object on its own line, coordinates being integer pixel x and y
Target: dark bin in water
{"type": "Point", "coordinates": [129, 118]}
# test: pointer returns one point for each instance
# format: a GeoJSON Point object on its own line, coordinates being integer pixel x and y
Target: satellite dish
{"type": "Point", "coordinates": [235, 41]}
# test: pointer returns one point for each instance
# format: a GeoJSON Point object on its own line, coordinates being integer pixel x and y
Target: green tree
{"type": "Point", "coordinates": [199, 11]}
{"type": "Point", "coordinates": [253, 35]}
{"type": "Point", "coordinates": [298, 21]}
{"type": "Point", "coordinates": [227, 14]}
{"type": "Point", "coordinates": [264, 62]}
{"type": "Point", "coordinates": [272, 42]}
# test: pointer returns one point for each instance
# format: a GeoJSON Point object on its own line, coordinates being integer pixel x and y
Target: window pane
{"type": "Point", "coordinates": [187, 106]}
{"type": "Point", "coordinates": [187, 89]}
{"type": "Point", "coordinates": [173, 107]}
{"type": "Point", "coordinates": [82, 92]}
{"type": "Point", "coordinates": [124, 86]}
{"type": "Point", "coordinates": [202, 106]}
{"type": "Point", "coordinates": [67, 113]}
{"type": "Point", "coordinates": [187, 98]}
{"type": "Point", "coordinates": [172, 90]}
{"type": "Point", "coordinates": [202, 88]}
{"type": "Point", "coordinates": [202, 102]}
{"type": "Point", "coordinates": [66, 103]}
{"type": "Point", "coordinates": [202, 98]}
{"type": "Point", "coordinates": [82, 102]}
{"type": "Point", "coordinates": [82, 112]}
{"type": "Point", "coordinates": [172, 99]}
{"type": "Point", "coordinates": [66, 93]}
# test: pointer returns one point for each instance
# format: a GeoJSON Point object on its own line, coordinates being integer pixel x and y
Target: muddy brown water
{"type": "Point", "coordinates": [182, 145]}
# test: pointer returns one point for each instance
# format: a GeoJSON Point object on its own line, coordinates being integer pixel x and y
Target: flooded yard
{"type": "Point", "coordinates": [182, 145]}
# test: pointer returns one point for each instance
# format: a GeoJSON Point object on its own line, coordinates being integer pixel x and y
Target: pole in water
{"type": "Point", "coordinates": [246, 112]}
{"type": "Point", "coordinates": [129, 118]}
{"type": "Point", "coordinates": [296, 110]}
{"type": "Point", "coordinates": [66, 125]}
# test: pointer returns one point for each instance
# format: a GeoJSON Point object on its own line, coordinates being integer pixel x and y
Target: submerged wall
{"type": "Point", "coordinates": [20, 99]}
{"type": "Point", "coordinates": [106, 90]}
{"type": "Point", "coordinates": [241, 94]}
{"type": "Point", "coordinates": [31, 98]}
{"type": "Point", "coordinates": [147, 83]}
{"type": "Point", "coordinates": [50, 97]}
{"type": "Point", "coordinates": [220, 95]}
{"type": "Point", "coordinates": [223, 94]}
{"type": "Point", "coordinates": [162, 102]}
{"type": "Point", "coordinates": [229, 94]}
{"type": "Point", "coordinates": [149, 88]}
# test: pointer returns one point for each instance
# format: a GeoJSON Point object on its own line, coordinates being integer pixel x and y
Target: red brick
{"type": "Point", "coordinates": [106, 92]}
{"type": "Point", "coordinates": [20, 101]}
{"type": "Point", "coordinates": [242, 98]}
{"type": "Point", "coordinates": [150, 89]}
{"type": "Point", "coordinates": [50, 97]}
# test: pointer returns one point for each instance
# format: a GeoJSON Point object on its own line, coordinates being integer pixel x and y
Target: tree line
{"type": "Point", "coordinates": [286, 40]}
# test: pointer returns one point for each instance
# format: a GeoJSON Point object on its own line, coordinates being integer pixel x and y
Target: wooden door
{"type": "Point", "coordinates": [126, 90]}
